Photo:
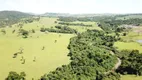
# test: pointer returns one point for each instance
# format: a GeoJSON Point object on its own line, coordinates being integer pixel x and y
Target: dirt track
{"type": "Point", "coordinates": [116, 65]}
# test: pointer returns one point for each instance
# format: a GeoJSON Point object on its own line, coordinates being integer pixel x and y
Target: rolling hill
{"type": "Point", "coordinates": [8, 18]}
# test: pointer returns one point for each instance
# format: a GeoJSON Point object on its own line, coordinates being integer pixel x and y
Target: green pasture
{"type": "Point", "coordinates": [42, 52]}
{"type": "Point", "coordinates": [131, 77]}
{"type": "Point", "coordinates": [128, 45]}
{"type": "Point", "coordinates": [130, 40]}
{"type": "Point", "coordinates": [133, 35]}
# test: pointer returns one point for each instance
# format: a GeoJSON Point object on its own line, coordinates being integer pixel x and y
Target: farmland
{"type": "Point", "coordinates": [130, 41]}
{"type": "Point", "coordinates": [36, 59]}
{"type": "Point", "coordinates": [131, 77]}
{"type": "Point", "coordinates": [54, 54]}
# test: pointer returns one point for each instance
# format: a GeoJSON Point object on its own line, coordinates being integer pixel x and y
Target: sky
{"type": "Point", "coordinates": [73, 6]}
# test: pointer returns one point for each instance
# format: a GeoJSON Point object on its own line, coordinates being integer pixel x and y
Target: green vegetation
{"type": "Point", "coordinates": [81, 29]}
{"type": "Point", "coordinates": [128, 45]}
{"type": "Point", "coordinates": [54, 54]}
{"type": "Point", "coordinates": [128, 16]}
{"type": "Point", "coordinates": [74, 24]}
{"type": "Point", "coordinates": [131, 62]}
{"type": "Point", "coordinates": [131, 77]}
{"type": "Point", "coordinates": [129, 41]}
{"type": "Point", "coordinates": [8, 18]}
{"type": "Point", "coordinates": [60, 29]}
{"type": "Point", "coordinates": [24, 33]}
{"type": "Point", "coordinates": [27, 54]}
{"type": "Point", "coordinates": [69, 48]}
{"type": "Point", "coordinates": [14, 76]}
{"type": "Point", "coordinates": [90, 57]}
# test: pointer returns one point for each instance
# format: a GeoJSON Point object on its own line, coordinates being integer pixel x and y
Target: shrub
{"type": "Point", "coordinates": [42, 29]}
{"type": "Point", "coordinates": [33, 31]}
{"type": "Point", "coordinates": [3, 31]}
{"type": "Point", "coordinates": [15, 76]}
{"type": "Point", "coordinates": [24, 33]}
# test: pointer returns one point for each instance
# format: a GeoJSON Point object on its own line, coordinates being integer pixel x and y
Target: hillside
{"type": "Point", "coordinates": [7, 18]}
{"type": "Point", "coordinates": [55, 14]}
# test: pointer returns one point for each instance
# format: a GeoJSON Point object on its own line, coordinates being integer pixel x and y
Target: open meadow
{"type": "Point", "coordinates": [130, 41]}
{"type": "Point", "coordinates": [38, 54]}
{"type": "Point", "coordinates": [128, 45]}
{"type": "Point", "coordinates": [131, 77]}
{"type": "Point", "coordinates": [41, 52]}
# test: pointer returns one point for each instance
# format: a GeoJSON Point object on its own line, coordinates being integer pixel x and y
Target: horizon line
{"type": "Point", "coordinates": [74, 13]}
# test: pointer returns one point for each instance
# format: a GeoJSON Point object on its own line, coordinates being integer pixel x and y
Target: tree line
{"type": "Point", "coordinates": [60, 29]}
{"type": "Point", "coordinates": [74, 24]}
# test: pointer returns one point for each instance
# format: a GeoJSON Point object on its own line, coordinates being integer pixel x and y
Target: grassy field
{"type": "Point", "coordinates": [134, 34]}
{"type": "Point", "coordinates": [128, 45]}
{"type": "Point", "coordinates": [43, 22]}
{"type": "Point", "coordinates": [130, 40]}
{"type": "Point", "coordinates": [42, 52]}
{"type": "Point", "coordinates": [131, 77]}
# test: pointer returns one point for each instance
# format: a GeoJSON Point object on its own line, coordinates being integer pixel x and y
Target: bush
{"type": "Point", "coordinates": [42, 29]}
{"type": "Point", "coordinates": [33, 31]}
{"type": "Point", "coordinates": [15, 76]}
{"type": "Point", "coordinates": [3, 31]}
{"type": "Point", "coordinates": [24, 33]}
{"type": "Point", "coordinates": [124, 34]}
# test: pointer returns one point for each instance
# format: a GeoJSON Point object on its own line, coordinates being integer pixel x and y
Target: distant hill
{"type": "Point", "coordinates": [13, 14]}
{"type": "Point", "coordinates": [117, 16]}
{"type": "Point", "coordinates": [128, 16]}
{"type": "Point", "coordinates": [55, 14]}
{"type": "Point", "coordinates": [74, 15]}
{"type": "Point", "coordinates": [10, 17]}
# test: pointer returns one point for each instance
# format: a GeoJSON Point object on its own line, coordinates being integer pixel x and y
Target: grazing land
{"type": "Point", "coordinates": [130, 41]}
{"type": "Point", "coordinates": [128, 45]}
{"type": "Point", "coordinates": [131, 77]}
{"type": "Point", "coordinates": [42, 52]}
